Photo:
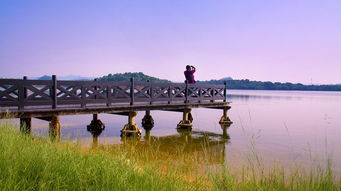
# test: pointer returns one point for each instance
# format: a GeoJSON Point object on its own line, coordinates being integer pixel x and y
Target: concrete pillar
{"type": "Point", "coordinates": [95, 117]}
{"type": "Point", "coordinates": [225, 120]}
{"type": "Point", "coordinates": [131, 129]}
{"type": "Point", "coordinates": [185, 134]}
{"type": "Point", "coordinates": [224, 127]}
{"type": "Point", "coordinates": [54, 128]}
{"type": "Point", "coordinates": [131, 140]}
{"type": "Point", "coordinates": [147, 121]}
{"type": "Point", "coordinates": [25, 125]}
{"type": "Point", "coordinates": [186, 122]}
{"type": "Point", "coordinates": [95, 128]}
{"type": "Point", "coordinates": [147, 135]}
{"type": "Point", "coordinates": [94, 141]}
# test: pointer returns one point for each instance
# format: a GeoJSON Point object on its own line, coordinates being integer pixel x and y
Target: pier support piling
{"type": "Point", "coordinates": [224, 127]}
{"type": "Point", "coordinates": [131, 129]}
{"type": "Point", "coordinates": [25, 125]}
{"type": "Point", "coordinates": [186, 122]}
{"type": "Point", "coordinates": [147, 121]}
{"type": "Point", "coordinates": [225, 120]}
{"type": "Point", "coordinates": [95, 128]}
{"type": "Point", "coordinates": [54, 128]}
{"type": "Point", "coordinates": [185, 134]}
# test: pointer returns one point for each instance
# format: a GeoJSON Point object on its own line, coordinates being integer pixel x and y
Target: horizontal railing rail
{"type": "Point", "coordinates": [23, 93]}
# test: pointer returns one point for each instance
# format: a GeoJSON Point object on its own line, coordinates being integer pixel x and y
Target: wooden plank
{"type": "Point", "coordinates": [37, 102]}
{"type": "Point", "coordinates": [147, 100]}
{"type": "Point", "coordinates": [9, 103]}
{"type": "Point", "coordinates": [120, 101]}
{"type": "Point", "coordinates": [105, 109]}
{"type": "Point", "coordinates": [69, 102]}
{"type": "Point", "coordinates": [36, 82]}
{"type": "Point", "coordinates": [9, 81]}
{"type": "Point", "coordinates": [95, 101]}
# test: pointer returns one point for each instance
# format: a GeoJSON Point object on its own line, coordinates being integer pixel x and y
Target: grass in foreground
{"type": "Point", "coordinates": [32, 163]}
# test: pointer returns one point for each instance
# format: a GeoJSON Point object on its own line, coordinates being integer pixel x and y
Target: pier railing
{"type": "Point", "coordinates": [55, 93]}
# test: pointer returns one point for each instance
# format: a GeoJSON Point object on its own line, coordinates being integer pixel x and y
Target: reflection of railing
{"type": "Point", "coordinates": [21, 93]}
{"type": "Point", "coordinates": [208, 147]}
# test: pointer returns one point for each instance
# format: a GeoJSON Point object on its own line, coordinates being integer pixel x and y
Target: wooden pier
{"type": "Point", "coordinates": [48, 99]}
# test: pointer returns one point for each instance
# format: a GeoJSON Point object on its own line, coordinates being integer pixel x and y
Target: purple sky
{"type": "Point", "coordinates": [285, 41]}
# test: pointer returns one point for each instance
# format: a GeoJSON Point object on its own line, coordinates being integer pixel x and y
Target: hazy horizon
{"type": "Point", "coordinates": [285, 41]}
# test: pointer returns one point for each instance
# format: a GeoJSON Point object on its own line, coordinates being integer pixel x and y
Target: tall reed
{"type": "Point", "coordinates": [35, 163]}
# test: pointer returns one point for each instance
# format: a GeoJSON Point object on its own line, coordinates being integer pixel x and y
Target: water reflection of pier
{"type": "Point", "coordinates": [207, 146]}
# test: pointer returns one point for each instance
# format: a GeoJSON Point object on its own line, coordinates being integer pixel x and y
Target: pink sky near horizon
{"type": "Point", "coordinates": [279, 41]}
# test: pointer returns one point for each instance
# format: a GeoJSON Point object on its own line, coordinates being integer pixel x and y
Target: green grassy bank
{"type": "Point", "coordinates": [32, 163]}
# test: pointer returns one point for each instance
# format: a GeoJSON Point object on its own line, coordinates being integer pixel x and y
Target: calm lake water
{"type": "Point", "coordinates": [290, 127]}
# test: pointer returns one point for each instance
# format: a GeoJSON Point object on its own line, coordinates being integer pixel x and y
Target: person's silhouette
{"type": "Point", "coordinates": [189, 74]}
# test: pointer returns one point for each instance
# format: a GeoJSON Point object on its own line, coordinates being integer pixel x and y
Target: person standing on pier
{"type": "Point", "coordinates": [189, 74]}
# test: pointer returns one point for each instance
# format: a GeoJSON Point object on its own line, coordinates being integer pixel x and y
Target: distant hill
{"type": "Point", "coordinates": [138, 76]}
{"type": "Point", "coordinates": [226, 79]}
{"type": "Point", "coordinates": [45, 77]}
{"type": "Point", "coordinates": [69, 77]}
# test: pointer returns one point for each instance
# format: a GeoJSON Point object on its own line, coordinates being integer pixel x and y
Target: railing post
{"type": "Point", "coordinates": [54, 92]}
{"type": "Point", "coordinates": [95, 89]}
{"type": "Point", "coordinates": [132, 91]}
{"type": "Point", "coordinates": [225, 88]}
{"type": "Point", "coordinates": [25, 89]}
{"type": "Point", "coordinates": [186, 92]}
{"type": "Point", "coordinates": [200, 94]}
{"type": "Point", "coordinates": [22, 94]}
